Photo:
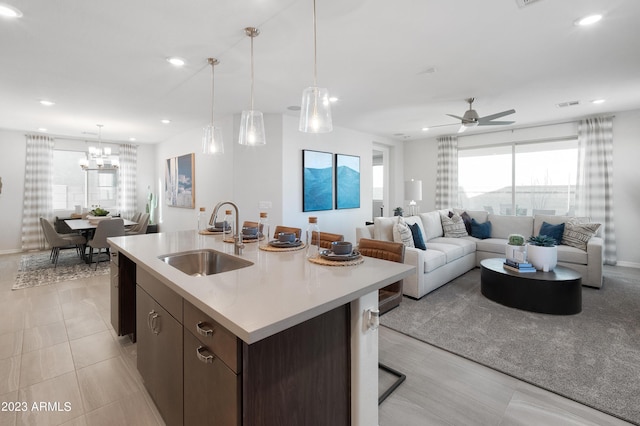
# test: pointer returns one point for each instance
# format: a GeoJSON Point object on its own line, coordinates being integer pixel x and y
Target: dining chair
{"type": "Point", "coordinates": [61, 241]}
{"type": "Point", "coordinates": [326, 238]}
{"type": "Point", "coordinates": [140, 227]}
{"type": "Point", "coordinates": [281, 228]}
{"type": "Point", "coordinates": [104, 230]}
{"type": "Point", "coordinates": [136, 217]}
{"type": "Point", "coordinates": [390, 296]}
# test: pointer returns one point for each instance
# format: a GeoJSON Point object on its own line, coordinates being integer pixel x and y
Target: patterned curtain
{"type": "Point", "coordinates": [594, 186]}
{"type": "Point", "coordinates": [38, 191]}
{"type": "Point", "coordinates": [127, 197]}
{"type": "Point", "coordinates": [447, 173]}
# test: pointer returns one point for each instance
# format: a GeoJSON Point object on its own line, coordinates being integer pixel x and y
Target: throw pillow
{"type": "Point", "coordinates": [453, 226]}
{"type": "Point", "coordinates": [467, 222]}
{"type": "Point", "coordinates": [553, 231]}
{"type": "Point", "coordinates": [480, 230]}
{"type": "Point", "coordinates": [418, 241]}
{"type": "Point", "coordinates": [402, 234]}
{"type": "Point", "coordinates": [383, 228]}
{"type": "Point", "coordinates": [577, 234]}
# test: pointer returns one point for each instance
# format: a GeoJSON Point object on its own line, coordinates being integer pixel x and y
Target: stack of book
{"type": "Point", "coordinates": [512, 265]}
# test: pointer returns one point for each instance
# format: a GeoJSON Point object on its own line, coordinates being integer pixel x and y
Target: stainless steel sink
{"type": "Point", "coordinates": [203, 262]}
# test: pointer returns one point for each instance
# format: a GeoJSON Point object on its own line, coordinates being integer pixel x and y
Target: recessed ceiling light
{"type": "Point", "coordinates": [42, 129]}
{"type": "Point", "coordinates": [425, 129]}
{"type": "Point", "coordinates": [47, 103]}
{"type": "Point", "coordinates": [175, 61]}
{"type": "Point", "coordinates": [9, 11]}
{"type": "Point", "coordinates": [333, 99]}
{"type": "Point", "coordinates": [598, 101]}
{"type": "Point", "coordinates": [588, 20]}
{"type": "Point", "coordinates": [132, 139]}
{"type": "Point", "coordinates": [165, 121]}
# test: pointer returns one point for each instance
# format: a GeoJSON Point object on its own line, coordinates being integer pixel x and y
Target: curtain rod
{"type": "Point", "coordinates": [75, 138]}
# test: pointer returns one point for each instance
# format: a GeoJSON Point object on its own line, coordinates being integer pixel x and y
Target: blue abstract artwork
{"type": "Point", "coordinates": [347, 181]}
{"type": "Point", "coordinates": [317, 180]}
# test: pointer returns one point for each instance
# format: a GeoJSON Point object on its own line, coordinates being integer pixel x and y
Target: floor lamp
{"type": "Point", "coordinates": [413, 192]}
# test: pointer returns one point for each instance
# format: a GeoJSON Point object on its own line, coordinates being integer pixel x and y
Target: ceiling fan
{"type": "Point", "coordinates": [472, 119]}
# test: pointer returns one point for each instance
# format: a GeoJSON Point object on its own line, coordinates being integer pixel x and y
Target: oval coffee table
{"type": "Point", "coordinates": [556, 292]}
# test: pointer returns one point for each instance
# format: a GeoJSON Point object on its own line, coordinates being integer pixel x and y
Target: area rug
{"type": "Point", "coordinates": [592, 357]}
{"type": "Point", "coordinates": [36, 269]}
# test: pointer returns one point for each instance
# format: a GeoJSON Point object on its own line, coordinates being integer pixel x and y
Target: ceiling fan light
{"type": "Point", "coordinates": [315, 113]}
{"type": "Point", "coordinates": [252, 129]}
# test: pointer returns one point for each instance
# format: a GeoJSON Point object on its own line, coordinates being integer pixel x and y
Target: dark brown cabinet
{"type": "Point", "coordinates": [123, 295]}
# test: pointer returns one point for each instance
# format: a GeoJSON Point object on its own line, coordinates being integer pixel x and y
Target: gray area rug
{"type": "Point", "coordinates": [592, 357]}
{"type": "Point", "coordinates": [36, 269]}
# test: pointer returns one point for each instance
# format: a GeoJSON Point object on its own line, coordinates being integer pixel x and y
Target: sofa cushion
{"type": "Point", "coordinates": [418, 240]}
{"type": "Point", "coordinates": [468, 244]}
{"type": "Point", "coordinates": [383, 227]}
{"type": "Point", "coordinates": [577, 234]}
{"type": "Point", "coordinates": [451, 251]}
{"type": "Point", "coordinates": [553, 231]}
{"type": "Point", "coordinates": [502, 226]}
{"type": "Point", "coordinates": [480, 230]}
{"type": "Point", "coordinates": [570, 254]}
{"type": "Point", "coordinates": [402, 233]}
{"type": "Point", "coordinates": [492, 245]}
{"type": "Point", "coordinates": [432, 225]}
{"type": "Point", "coordinates": [453, 226]}
{"type": "Point", "coordinates": [434, 259]}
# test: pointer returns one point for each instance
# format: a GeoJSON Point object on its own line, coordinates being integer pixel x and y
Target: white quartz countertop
{"type": "Point", "coordinates": [280, 289]}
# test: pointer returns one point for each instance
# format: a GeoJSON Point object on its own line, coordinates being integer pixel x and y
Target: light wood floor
{"type": "Point", "coordinates": [57, 346]}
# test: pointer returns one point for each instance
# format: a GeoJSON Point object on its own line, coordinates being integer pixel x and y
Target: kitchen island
{"type": "Point", "coordinates": [301, 345]}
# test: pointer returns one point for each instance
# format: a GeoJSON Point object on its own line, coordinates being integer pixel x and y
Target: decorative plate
{"type": "Point", "coordinates": [329, 255]}
{"type": "Point", "coordinates": [285, 244]}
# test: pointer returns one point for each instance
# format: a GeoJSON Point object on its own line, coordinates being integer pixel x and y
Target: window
{"type": "Point", "coordinates": [520, 178]}
{"type": "Point", "coordinates": [73, 186]}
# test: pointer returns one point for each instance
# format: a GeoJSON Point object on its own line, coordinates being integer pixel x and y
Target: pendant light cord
{"type": "Point", "coordinates": [251, 71]}
{"type": "Point", "coordinates": [212, 88]}
{"type": "Point", "coordinates": [315, 48]}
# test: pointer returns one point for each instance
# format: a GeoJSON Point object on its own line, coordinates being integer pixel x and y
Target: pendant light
{"type": "Point", "coordinates": [252, 122]}
{"type": "Point", "coordinates": [315, 109]}
{"type": "Point", "coordinates": [212, 136]}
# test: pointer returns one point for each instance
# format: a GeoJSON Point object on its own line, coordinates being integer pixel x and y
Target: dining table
{"type": "Point", "coordinates": [87, 228]}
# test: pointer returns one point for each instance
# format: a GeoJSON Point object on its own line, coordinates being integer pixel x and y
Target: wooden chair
{"type": "Point", "coordinates": [281, 228]}
{"type": "Point", "coordinates": [327, 238]}
{"type": "Point", "coordinates": [390, 296]}
{"type": "Point", "coordinates": [60, 241]}
{"type": "Point", "coordinates": [104, 230]}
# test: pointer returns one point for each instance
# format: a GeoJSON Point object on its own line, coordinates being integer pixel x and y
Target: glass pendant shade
{"type": "Point", "coordinates": [212, 140]}
{"type": "Point", "coordinates": [315, 113]}
{"type": "Point", "coordinates": [252, 128]}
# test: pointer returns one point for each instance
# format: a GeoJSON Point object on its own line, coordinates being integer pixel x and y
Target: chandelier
{"type": "Point", "coordinates": [98, 157]}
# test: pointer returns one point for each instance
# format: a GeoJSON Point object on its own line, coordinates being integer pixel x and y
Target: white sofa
{"type": "Point", "coordinates": [447, 258]}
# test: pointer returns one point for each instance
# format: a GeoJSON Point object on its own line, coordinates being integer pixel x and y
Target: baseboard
{"type": "Point", "coordinates": [12, 251]}
{"type": "Point", "coordinates": [628, 264]}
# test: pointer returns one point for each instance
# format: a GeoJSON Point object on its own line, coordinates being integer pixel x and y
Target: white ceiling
{"type": "Point", "coordinates": [104, 62]}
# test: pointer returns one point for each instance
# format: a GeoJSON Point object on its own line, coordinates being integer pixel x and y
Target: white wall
{"type": "Point", "coordinates": [420, 162]}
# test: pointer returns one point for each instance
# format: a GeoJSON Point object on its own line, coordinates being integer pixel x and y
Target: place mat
{"type": "Point", "coordinates": [205, 232]}
{"type": "Point", "coordinates": [251, 240]}
{"type": "Point", "coordinates": [326, 262]}
{"type": "Point", "coordinates": [271, 248]}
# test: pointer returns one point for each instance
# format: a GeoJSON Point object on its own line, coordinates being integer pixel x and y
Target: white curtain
{"type": "Point", "coordinates": [594, 185]}
{"type": "Point", "coordinates": [38, 191]}
{"type": "Point", "coordinates": [447, 173]}
{"type": "Point", "coordinates": [127, 197]}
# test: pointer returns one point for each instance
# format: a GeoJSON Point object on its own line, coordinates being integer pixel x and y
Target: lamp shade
{"type": "Point", "coordinates": [413, 190]}
{"type": "Point", "coordinates": [315, 112]}
{"type": "Point", "coordinates": [252, 129]}
{"type": "Point", "coordinates": [212, 140]}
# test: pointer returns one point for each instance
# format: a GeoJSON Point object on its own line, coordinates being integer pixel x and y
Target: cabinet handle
{"type": "Point", "coordinates": [154, 322]}
{"type": "Point", "coordinates": [207, 359]}
{"type": "Point", "coordinates": [203, 331]}
{"type": "Point", "coordinates": [149, 319]}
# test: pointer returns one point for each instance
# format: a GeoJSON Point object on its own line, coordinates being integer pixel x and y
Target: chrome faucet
{"type": "Point", "coordinates": [237, 238]}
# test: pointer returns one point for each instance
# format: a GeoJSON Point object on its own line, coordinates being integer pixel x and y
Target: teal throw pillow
{"type": "Point", "coordinates": [480, 230]}
{"type": "Point", "coordinates": [553, 231]}
{"type": "Point", "coordinates": [418, 241]}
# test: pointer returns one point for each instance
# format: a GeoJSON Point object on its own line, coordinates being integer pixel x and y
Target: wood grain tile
{"type": "Point", "coordinates": [105, 382]}
{"type": "Point", "coordinates": [46, 363]}
{"type": "Point", "coordinates": [52, 401]}
{"type": "Point", "coordinates": [93, 348]}
{"type": "Point", "coordinates": [132, 410]}
{"type": "Point", "coordinates": [44, 336]}
{"type": "Point", "coordinates": [84, 325]}
{"type": "Point", "coordinates": [11, 344]}
{"type": "Point", "coordinates": [10, 374]}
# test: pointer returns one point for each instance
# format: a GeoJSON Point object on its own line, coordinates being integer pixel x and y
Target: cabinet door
{"type": "Point", "coordinates": [159, 357]}
{"type": "Point", "coordinates": [115, 293]}
{"type": "Point", "coordinates": [211, 389]}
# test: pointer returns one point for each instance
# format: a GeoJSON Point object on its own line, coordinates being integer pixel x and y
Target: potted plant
{"type": "Point", "coordinates": [542, 252]}
{"type": "Point", "coordinates": [516, 248]}
{"type": "Point", "coordinates": [398, 211]}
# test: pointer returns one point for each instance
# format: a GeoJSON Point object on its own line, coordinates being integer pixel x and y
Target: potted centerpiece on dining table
{"type": "Point", "coordinates": [98, 214]}
{"type": "Point", "coordinates": [542, 252]}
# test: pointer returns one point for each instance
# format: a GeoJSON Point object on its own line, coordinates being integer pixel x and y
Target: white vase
{"type": "Point", "coordinates": [517, 253]}
{"type": "Point", "coordinates": [542, 258]}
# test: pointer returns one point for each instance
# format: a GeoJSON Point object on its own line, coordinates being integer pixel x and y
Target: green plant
{"type": "Point", "coordinates": [99, 212]}
{"type": "Point", "coordinates": [542, 241]}
{"type": "Point", "coordinates": [398, 211]}
{"type": "Point", "coordinates": [516, 240]}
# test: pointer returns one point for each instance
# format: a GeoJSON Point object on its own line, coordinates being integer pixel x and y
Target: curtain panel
{"type": "Point", "coordinates": [38, 191]}
{"type": "Point", "coordinates": [594, 184]}
{"type": "Point", "coordinates": [447, 173]}
{"type": "Point", "coordinates": [127, 193]}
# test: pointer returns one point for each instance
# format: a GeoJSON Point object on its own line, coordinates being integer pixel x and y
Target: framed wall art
{"type": "Point", "coordinates": [347, 181]}
{"type": "Point", "coordinates": [179, 181]}
{"type": "Point", "coordinates": [317, 180]}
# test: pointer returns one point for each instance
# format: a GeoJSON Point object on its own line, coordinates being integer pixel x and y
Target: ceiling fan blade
{"type": "Point", "coordinates": [496, 115]}
{"type": "Point", "coordinates": [495, 123]}
{"type": "Point", "coordinates": [456, 116]}
{"type": "Point", "coordinates": [442, 125]}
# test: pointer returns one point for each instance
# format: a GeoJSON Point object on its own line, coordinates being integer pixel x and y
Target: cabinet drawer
{"type": "Point", "coordinates": [224, 344]}
{"type": "Point", "coordinates": [169, 299]}
{"type": "Point", "coordinates": [212, 392]}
